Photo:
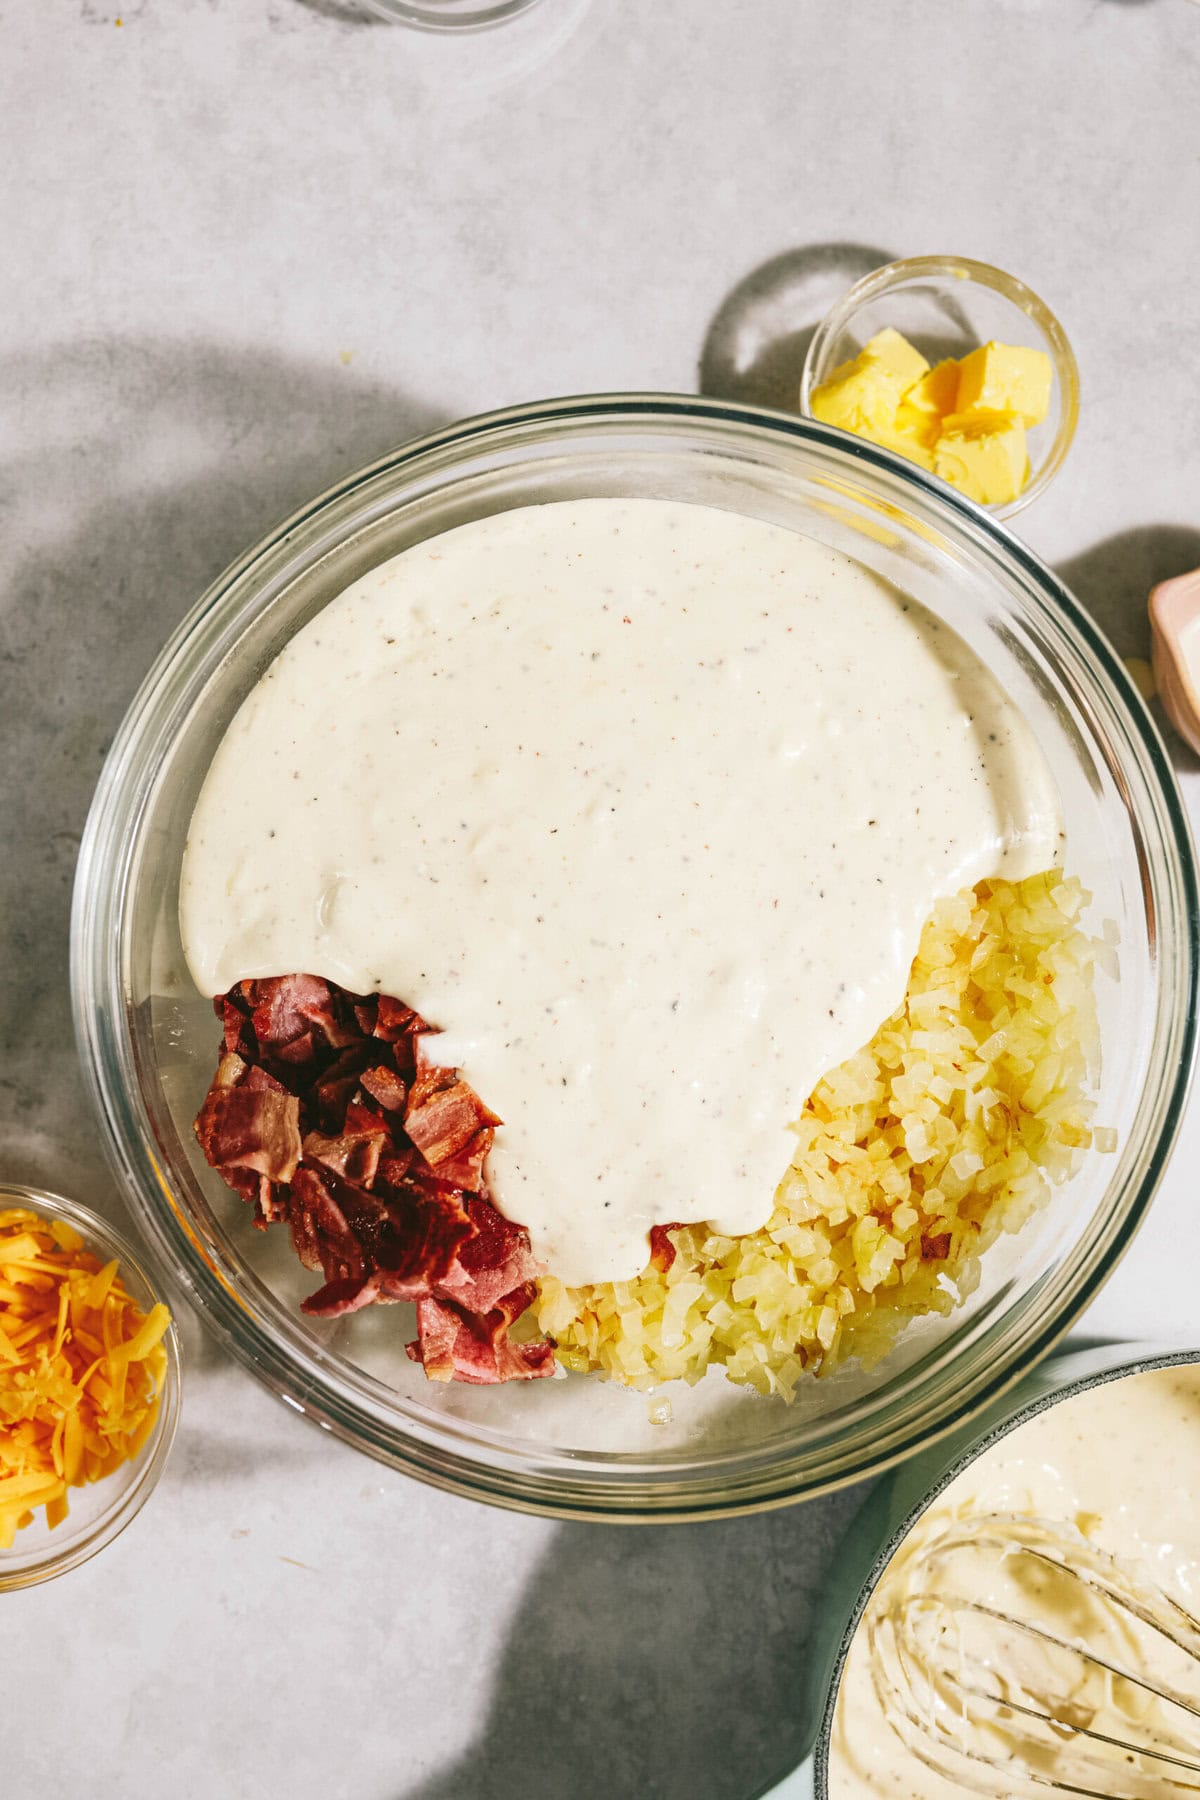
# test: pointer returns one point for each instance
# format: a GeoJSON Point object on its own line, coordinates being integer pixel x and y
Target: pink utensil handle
{"type": "Point", "coordinates": [1175, 634]}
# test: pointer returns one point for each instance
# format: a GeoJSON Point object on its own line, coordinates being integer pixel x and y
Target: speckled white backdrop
{"type": "Point", "coordinates": [246, 245]}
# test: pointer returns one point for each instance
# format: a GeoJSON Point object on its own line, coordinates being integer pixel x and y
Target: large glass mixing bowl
{"type": "Point", "coordinates": [579, 1446]}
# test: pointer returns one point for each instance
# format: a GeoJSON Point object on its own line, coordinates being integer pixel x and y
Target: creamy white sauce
{"type": "Point", "coordinates": [644, 805]}
{"type": "Point", "coordinates": [1121, 1463]}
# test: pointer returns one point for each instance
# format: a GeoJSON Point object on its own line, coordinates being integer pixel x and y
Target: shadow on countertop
{"type": "Point", "coordinates": [141, 471]}
{"type": "Point", "coordinates": [1114, 577]}
{"type": "Point", "coordinates": [755, 348]}
{"type": "Point", "coordinates": [666, 1662]}
{"type": "Point", "coordinates": [532, 51]}
{"type": "Point", "coordinates": [1113, 580]}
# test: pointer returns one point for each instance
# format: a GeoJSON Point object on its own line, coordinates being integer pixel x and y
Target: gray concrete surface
{"type": "Point", "coordinates": [245, 245]}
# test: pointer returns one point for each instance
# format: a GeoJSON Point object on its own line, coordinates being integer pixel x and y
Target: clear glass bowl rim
{"type": "Point", "coordinates": [602, 1488]}
{"type": "Point", "coordinates": [100, 1235]}
{"type": "Point", "coordinates": [427, 15]}
{"type": "Point", "coordinates": [955, 269]}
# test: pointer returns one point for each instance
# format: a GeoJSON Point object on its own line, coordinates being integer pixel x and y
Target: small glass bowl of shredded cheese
{"type": "Point", "coordinates": [946, 312]}
{"type": "Point", "coordinates": [89, 1385]}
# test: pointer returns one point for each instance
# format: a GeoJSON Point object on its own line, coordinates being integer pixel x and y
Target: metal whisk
{"type": "Point", "coordinates": [1013, 1657]}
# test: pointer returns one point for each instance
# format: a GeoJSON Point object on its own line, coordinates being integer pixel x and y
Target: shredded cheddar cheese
{"type": "Point", "coordinates": [81, 1368]}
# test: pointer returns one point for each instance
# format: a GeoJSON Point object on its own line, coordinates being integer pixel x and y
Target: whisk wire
{"type": "Point", "coordinates": [1088, 1731]}
{"type": "Point", "coordinates": [925, 1666]}
{"type": "Point", "coordinates": [1161, 1692]}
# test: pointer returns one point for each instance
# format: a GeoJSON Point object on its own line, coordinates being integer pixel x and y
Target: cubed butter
{"type": "Point", "coordinates": [979, 424]}
{"type": "Point", "coordinates": [983, 456]}
{"type": "Point", "coordinates": [901, 361]}
{"type": "Point", "coordinates": [908, 443]}
{"type": "Point", "coordinates": [864, 402]}
{"type": "Point", "coordinates": [862, 395]}
{"type": "Point", "coordinates": [964, 420]}
{"type": "Point", "coordinates": [936, 393]}
{"type": "Point", "coordinates": [922, 428]}
{"type": "Point", "coordinates": [859, 396]}
{"type": "Point", "coordinates": [1005, 378]}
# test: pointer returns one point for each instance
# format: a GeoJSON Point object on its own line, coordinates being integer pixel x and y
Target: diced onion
{"type": "Point", "coordinates": [970, 1103]}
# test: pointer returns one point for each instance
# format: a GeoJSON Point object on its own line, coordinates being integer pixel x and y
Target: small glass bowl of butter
{"type": "Point", "coordinates": [967, 373]}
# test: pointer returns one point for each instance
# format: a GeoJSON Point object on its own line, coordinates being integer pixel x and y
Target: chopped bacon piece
{"type": "Point", "coordinates": [263, 1195]}
{"type": "Point", "coordinates": [662, 1250]}
{"type": "Point", "coordinates": [301, 1213]}
{"type": "Point", "coordinates": [256, 1078]}
{"type": "Point", "coordinates": [394, 1169]}
{"type": "Point", "coordinates": [495, 1262]}
{"type": "Point", "coordinates": [935, 1249]}
{"type": "Point", "coordinates": [355, 1152]}
{"type": "Point", "coordinates": [443, 1115]}
{"type": "Point", "coordinates": [234, 1071]}
{"type": "Point", "coordinates": [317, 1219]}
{"type": "Point", "coordinates": [247, 1127]}
{"type": "Point", "coordinates": [329, 1111]}
{"type": "Point", "coordinates": [281, 1014]}
{"type": "Point", "coordinates": [366, 1011]}
{"type": "Point", "coordinates": [465, 1170]}
{"type": "Point", "coordinates": [412, 1234]}
{"type": "Point", "coordinates": [230, 1070]}
{"type": "Point", "coordinates": [438, 1326]}
{"type": "Point", "coordinates": [384, 1085]}
{"type": "Point", "coordinates": [233, 1022]}
{"type": "Point", "coordinates": [337, 1085]}
{"type": "Point", "coordinates": [234, 1013]}
{"type": "Point", "coordinates": [453, 1345]}
{"type": "Point", "coordinates": [394, 1021]}
{"type": "Point", "coordinates": [337, 1298]}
